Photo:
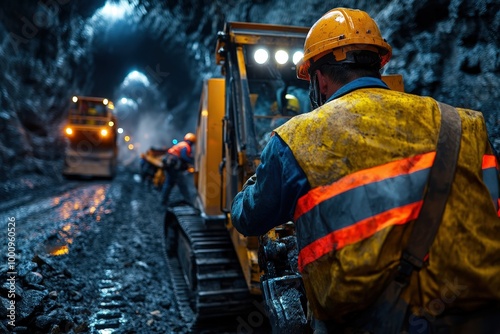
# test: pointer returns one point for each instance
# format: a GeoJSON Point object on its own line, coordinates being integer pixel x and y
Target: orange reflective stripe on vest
{"type": "Point", "coordinates": [358, 205]}
{"type": "Point", "coordinates": [490, 178]}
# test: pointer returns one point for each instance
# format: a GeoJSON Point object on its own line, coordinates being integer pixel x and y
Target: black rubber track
{"type": "Point", "coordinates": [205, 271]}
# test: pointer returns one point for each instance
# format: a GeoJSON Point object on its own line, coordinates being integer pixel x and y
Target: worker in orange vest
{"type": "Point", "coordinates": [175, 164]}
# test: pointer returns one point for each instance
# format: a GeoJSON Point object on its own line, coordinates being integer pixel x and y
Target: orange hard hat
{"type": "Point", "coordinates": [338, 32]}
{"type": "Point", "coordinates": [190, 137]}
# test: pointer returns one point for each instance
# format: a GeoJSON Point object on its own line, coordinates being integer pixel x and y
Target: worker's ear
{"type": "Point", "coordinates": [323, 83]}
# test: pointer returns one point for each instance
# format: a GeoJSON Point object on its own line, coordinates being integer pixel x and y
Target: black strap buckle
{"type": "Point", "coordinates": [413, 260]}
{"type": "Point", "coordinates": [407, 265]}
{"type": "Point", "coordinates": [403, 273]}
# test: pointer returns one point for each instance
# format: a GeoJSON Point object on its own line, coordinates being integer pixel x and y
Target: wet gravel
{"type": "Point", "coordinates": [89, 258]}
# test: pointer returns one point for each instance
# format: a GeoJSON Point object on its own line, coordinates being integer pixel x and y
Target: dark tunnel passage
{"type": "Point", "coordinates": [149, 81]}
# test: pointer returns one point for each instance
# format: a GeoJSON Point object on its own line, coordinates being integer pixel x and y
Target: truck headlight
{"type": "Point", "coordinates": [104, 133]}
{"type": "Point", "coordinates": [69, 131]}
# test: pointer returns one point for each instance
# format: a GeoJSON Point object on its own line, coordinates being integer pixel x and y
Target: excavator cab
{"type": "Point", "coordinates": [216, 271]}
{"type": "Point", "coordinates": [262, 92]}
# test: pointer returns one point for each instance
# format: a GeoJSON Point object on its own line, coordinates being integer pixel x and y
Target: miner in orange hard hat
{"type": "Point", "coordinates": [175, 164]}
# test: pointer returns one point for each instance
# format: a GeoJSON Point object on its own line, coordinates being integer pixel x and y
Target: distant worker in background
{"type": "Point", "coordinates": [175, 164]}
{"type": "Point", "coordinates": [394, 196]}
{"type": "Point", "coordinates": [281, 112]}
{"type": "Point", "coordinates": [284, 110]}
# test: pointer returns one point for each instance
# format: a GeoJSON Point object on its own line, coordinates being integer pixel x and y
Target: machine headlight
{"type": "Point", "coordinates": [104, 133]}
{"type": "Point", "coordinates": [281, 57]}
{"type": "Point", "coordinates": [69, 131]}
{"type": "Point", "coordinates": [261, 56]}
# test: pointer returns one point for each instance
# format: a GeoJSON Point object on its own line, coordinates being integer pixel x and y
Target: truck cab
{"type": "Point", "coordinates": [91, 134]}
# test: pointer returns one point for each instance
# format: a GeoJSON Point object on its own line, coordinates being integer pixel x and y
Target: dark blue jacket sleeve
{"type": "Point", "coordinates": [185, 157]}
{"type": "Point", "coordinates": [269, 198]}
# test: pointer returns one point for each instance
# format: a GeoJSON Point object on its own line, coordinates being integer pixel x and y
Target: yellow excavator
{"type": "Point", "coordinates": [91, 133]}
{"type": "Point", "coordinates": [216, 271]}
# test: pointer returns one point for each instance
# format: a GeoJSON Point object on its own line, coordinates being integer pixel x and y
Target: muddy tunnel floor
{"type": "Point", "coordinates": [90, 259]}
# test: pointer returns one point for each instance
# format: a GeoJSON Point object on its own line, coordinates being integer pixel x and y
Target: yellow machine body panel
{"type": "Point", "coordinates": [247, 251]}
{"type": "Point", "coordinates": [394, 81]}
{"type": "Point", "coordinates": [209, 182]}
{"type": "Point", "coordinates": [209, 146]}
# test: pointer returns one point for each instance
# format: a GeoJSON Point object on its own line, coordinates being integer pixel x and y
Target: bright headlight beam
{"type": "Point", "coordinates": [297, 56]}
{"type": "Point", "coordinates": [261, 56]}
{"type": "Point", "coordinates": [281, 57]}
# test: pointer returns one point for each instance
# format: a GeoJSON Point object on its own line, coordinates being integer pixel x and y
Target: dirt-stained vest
{"type": "Point", "coordinates": [367, 157]}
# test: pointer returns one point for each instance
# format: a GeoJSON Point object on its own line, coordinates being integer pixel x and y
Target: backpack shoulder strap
{"type": "Point", "coordinates": [389, 311]}
{"type": "Point", "coordinates": [438, 188]}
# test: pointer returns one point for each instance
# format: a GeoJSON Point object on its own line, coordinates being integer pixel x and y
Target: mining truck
{"type": "Point", "coordinates": [91, 135]}
{"type": "Point", "coordinates": [216, 271]}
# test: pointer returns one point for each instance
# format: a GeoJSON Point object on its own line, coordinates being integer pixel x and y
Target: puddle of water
{"type": "Point", "coordinates": [57, 250]}
{"type": "Point", "coordinates": [75, 207]}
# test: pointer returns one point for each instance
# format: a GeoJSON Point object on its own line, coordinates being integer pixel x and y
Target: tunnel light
{"type": "Point", "coordinates": [126, 138]}
{"type": "Point", "coordinates": [281, 57]}
{"type": "Point", "coordinates": [261, 56]}
{"type": "Point", "coordinates": [136, 77]}
{"type": "Point", "coordinates": [131, 146]}
{"type": "Point", "coordinates": [104, 132]}
{"type": "Point", "coordinates": [297, 56]}
{"type": "Point", "coordinates": [75, 99]}
{"type": "Point", "coordinates": [69, 131]}
{"type": "Point", "coordinates": [114, 11]}
{"type": "Point", "coordinates": [120, 130]}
